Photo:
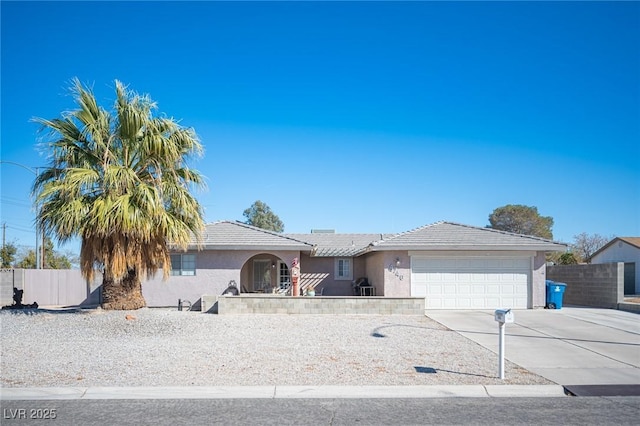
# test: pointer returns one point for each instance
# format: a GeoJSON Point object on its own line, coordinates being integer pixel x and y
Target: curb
{"type": "Point", "coordinates": [281, 392]}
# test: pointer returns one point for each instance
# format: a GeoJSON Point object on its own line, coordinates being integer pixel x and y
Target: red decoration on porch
{"type": "Point", "coordinates": [295, 276]}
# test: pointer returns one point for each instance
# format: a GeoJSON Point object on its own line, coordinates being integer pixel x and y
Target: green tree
{"type": "Point", "coordinates": [585, 245]}
{"type": "Point", "coordinates": [27, 261]}
{"type": "Point", "coordinates": [567, 258]}
{"type": "Point", "coordinates": [8, 255]}
{"type": "Point", "coordinates": [119, 180]}
{"type": "Point", "coordinates": [52, 258]}
{"type": "Point", "coordinates": [521, 219]}
{"type": "Point", "coordinates": [261, 216]}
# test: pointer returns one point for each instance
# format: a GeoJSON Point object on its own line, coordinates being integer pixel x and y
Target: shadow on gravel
{"type": "Point", "coordinates": [377, 331]}
{"type": "Point", "coordinates": [40, 311]}
{"type": "Point", "coordinates": [430, 370]}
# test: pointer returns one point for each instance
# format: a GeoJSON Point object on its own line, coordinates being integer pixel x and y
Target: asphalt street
{"type": "Point", "coordinates": [347, 411]}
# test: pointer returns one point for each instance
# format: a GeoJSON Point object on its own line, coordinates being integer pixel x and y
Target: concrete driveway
{"type": "Point", "coordinates": [569, 346]}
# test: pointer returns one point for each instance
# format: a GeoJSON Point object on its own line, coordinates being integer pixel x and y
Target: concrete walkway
{"type": "Point", "coordinates": [569, 346]}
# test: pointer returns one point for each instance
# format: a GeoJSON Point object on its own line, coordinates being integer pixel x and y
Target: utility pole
{"type": "Point", "coordinates": [35, 171]}
{"type": "Point", "coordinates": [4, 231]}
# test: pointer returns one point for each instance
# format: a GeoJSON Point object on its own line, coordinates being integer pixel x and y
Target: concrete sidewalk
{"type": "Point", "coordinates": [279, 392]}
{"type": "Point", "coordinates": [569, 346]}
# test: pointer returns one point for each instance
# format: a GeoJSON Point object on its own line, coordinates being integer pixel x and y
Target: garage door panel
{"type": "Point", "coordinates": [506, 290]}
{"type": "Point", "coordinates": [448, 289]}
{"type": "Point", "coordinates": [471, 283]}
{"type": "Point", "coordinates": [464, 303]}
{"type": "Point", "coordinates": [493, 288]}
{"type": "Point", "coordinates": [478, 290]}
{"type": "Point", "coordinates": [448, 277]}
{"type": "Point", "coordinates": [478, 303]}
{"type": "Point", "coordinates": [449, 303]}
{"type": "Point", "coordinates": [493, 301]}
{"type": "Point", "coordinates": [421, 291]}
{"type": "Point", "coordinates": [435, 289]}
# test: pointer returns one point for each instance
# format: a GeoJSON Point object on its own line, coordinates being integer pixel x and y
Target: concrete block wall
{"type": "Point", "coordinates": [269, 304]}
{"type": "Point", "coordinates": [599, 285]}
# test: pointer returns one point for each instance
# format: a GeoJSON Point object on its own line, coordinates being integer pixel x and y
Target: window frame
{"type": "Point", "coordinates": [284, 275]}
{"type": "Point", "coordinates": [343, 277]}
{"type": "Point", "coordinates": [185, 258]}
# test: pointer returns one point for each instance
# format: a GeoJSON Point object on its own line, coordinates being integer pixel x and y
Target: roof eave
{"type": "Point", "coordinates": [463, 247]}
{"type": "Point", "coordinates": [251, 247]}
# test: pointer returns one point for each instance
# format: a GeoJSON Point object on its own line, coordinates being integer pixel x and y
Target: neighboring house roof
{"type": "Point", "coordinates": [633, 241]}
{"type": "Point", "coordinates": [454, 236]}
{"type": "Point", "coordinates": [337, 245]}
{"type": "Point", "coordinates": [233, 235]}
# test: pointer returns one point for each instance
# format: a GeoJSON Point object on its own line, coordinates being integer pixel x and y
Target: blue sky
{"type": "Point", "coordinates": [354, 116]}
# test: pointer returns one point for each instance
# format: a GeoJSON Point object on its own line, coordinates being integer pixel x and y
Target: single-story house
{"type": "Point", "coordinates": [451, 265]}
{"type": "Point", "coordinates": [627, 250]}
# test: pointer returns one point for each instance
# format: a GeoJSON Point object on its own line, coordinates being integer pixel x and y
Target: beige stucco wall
{"type": "Point", "coordinates": [319, 272]}
{"type": "Point", "coordinates": [214, 271]}
{"type": "Point", "coordinates": [389, 279]}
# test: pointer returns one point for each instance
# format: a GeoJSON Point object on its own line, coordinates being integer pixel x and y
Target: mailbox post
{"type": "Point", "coordinates": [502, 316]}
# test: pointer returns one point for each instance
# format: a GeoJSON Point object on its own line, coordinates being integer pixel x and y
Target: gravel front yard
{"type": "Point", "coordinates": [161, 347]}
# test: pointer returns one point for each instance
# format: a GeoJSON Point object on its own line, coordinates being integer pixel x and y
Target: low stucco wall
{"type": "Point", "coordinates": [268, 304]}
{"type": "Point", "coordinates": [600, 286]}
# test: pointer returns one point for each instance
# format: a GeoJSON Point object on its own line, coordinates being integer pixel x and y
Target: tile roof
{"type": "Point", "coordinates": [233, 235]}
{"type": "Point", "coordinates": [454, 236]}
{"type": "Point", "coordinates": [336, 245]}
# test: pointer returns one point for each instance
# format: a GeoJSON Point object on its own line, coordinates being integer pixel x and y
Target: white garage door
{"type": "Point", "coordinates": [471, 283]}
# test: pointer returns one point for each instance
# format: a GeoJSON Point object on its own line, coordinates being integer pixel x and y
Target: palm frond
{"type": "Point", "coordinates": [119, 181]}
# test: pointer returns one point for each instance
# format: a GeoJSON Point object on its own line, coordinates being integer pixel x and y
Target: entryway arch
{"type": "Point", "coordinates": [265, 273]}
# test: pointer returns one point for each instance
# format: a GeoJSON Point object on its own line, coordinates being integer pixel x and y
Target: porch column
{"type": "Point", "coordinates": [295, 277]}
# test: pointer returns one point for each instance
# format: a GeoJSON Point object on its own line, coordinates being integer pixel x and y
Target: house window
{"type": "Point", "coordinates": [183, 264]}
{"type": "Point", "coordinates": [284, 276]}
{"type": "Point", "coordinates": [343, 269]}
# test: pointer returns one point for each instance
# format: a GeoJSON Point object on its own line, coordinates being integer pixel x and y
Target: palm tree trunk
{"type": "Point", "coordinates": [125, 295]}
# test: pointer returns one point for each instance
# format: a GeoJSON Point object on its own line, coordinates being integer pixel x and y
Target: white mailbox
{"type": "Point", "coordinates": [504, 315]}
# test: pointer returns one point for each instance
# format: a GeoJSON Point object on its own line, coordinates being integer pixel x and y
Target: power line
{"type": "Point", "coordinates": [15, 203]}
{"type": "Point", "coordinates": [19, 228]}
{"type": "Point", "coordinates": [10, 198]}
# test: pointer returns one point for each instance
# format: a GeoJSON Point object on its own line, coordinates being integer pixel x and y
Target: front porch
{"type": "Point", "coordinates": [330, 305]}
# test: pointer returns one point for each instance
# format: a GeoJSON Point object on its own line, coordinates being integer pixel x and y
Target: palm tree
{"type": "Point", "coordinates": [119, 181]}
